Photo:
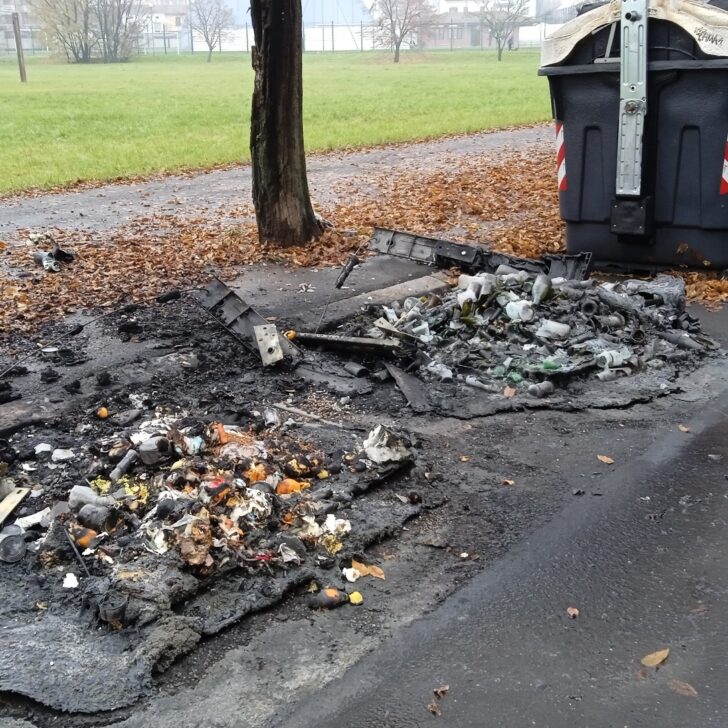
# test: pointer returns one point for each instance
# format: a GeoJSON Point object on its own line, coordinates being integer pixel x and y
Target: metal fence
{"type": "Point", "coordinates": [317, 38]}
{"type": "Point", "coordinates": [34, 41]}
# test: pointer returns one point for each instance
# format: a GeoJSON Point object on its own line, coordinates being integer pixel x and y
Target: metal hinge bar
{"type": "Point", "coordinates": [633, 97]}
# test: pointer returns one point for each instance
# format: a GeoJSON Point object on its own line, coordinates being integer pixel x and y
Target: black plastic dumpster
{"type": "Point", "coordinates": [681, 216]}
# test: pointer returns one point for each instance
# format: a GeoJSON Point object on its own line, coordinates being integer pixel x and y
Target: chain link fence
{"type": "Point", "coordinates": [317, 38]}
{"type": "Point", "coordinates": [33, 39]}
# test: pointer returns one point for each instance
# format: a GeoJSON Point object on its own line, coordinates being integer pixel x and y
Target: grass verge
{"type": "Point", "coordinates": [101, 122]}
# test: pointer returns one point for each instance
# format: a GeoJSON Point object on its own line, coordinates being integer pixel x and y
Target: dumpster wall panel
{"type": "Point", "coordinates": [687, 209]}
{"type": "Point", "coordinates": [589, 136]}
{"type": "Point", "coordinates": [691, 132]}
{"type": "Point", "coordinates": [595, 197]}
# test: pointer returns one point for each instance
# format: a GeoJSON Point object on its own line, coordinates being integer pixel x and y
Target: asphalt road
{"type": "Point", "coordinates": [645, 565]}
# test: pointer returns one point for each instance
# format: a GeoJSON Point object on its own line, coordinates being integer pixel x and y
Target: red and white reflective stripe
{"type": "Point", "coordinates": [561, 157]}
{"type": "Point", "coordinates": [724, 179]}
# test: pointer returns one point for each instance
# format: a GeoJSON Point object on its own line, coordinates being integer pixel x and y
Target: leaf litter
{"type": "Point", "coordinates": [508, 200]}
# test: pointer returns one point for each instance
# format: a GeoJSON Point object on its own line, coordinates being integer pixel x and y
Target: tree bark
{"type": "Point", "coordinates": [280, 188]}
{"type": "Point", "coordinates": [396, 51]}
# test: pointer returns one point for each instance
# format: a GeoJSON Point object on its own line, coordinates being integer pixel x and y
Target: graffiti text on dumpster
{"type": "Point", "coordinates": [703, 35]}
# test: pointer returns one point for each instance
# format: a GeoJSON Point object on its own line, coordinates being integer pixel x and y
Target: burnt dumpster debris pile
{"type": "Point", "coordinates": [169, 498]}
{"type": "Point", "coordinates": [513, 338]}
{"type": "Point", "coordinates": [180, 528]}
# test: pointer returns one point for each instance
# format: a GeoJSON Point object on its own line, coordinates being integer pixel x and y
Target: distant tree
{"type": "Point", "coordinates": [502, 18]}
{"type": "Point", "coordinates": [282, 203]}
{"type": "Point", "coordinates": [84, 28]}
{"type": "Point", "coordinates": [209, 18]}
{"type": "Point", "coordinates": [70, 26]}
{"type": "Point", "coordinates": [399, 20]}
{"type": "Point", "coordinates": [119, 24]}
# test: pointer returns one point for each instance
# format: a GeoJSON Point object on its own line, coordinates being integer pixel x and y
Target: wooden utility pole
{"type": "Point", "coordinates": [19, 48]}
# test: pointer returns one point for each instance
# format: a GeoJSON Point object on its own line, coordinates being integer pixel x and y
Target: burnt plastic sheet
{"type": "Point", "coordinates": [474, 258]}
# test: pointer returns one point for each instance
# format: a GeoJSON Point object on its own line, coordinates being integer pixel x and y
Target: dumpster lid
{"type": "Point", "coordinates": [708, 24]}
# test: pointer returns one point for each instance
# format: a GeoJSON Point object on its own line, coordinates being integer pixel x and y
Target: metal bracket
{"type": "Point", "coordinates": [633, 97]}
{"type": "Point", "coordinates": [269, 345]}
{"type": "Point", "coordinates": [610, 42]}
{"type": "Point", "coordinates": [245, 323]}
{"type": "Point", "coordinates": [632, 216]}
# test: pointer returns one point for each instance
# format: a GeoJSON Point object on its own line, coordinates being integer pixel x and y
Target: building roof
{"type": "Point", "coordinates": [455, 16]}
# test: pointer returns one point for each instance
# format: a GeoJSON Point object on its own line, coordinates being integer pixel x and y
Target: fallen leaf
{"type": "Point", "coordinates": [509, 392]}
{"type": "Point", "coordinates": [573, 612]}
{"type": "Point", "coordinates": [434, 708]}
{"type": "Point", "coordinates": [683, 428]}
{"type": "Point", "coordinates": [367, 570]}
{"type": "Point", "coordinates": [506, 481]}
{"type": "Point", "coordinates": [655, 659]}
{"type": "Point", "coordinates": [683, 688]}
{"type": "Point", "coordinates": [605, 459]}
{"type": "Point", "coordinates": [376, 572]}
{"type": "Point", "coordinates": [442, 691]}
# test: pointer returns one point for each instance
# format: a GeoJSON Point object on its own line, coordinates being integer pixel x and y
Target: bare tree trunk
{"type": "Point", "coordinates": [280, 188]}
{"type": "Point", "coordinates": [209, 53]}
{"type": "Point", "coordinates": [397, 44]}
{"type": "Point", "coordinates": [500, 50]}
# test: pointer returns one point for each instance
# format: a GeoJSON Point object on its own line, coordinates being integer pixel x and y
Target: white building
{"type": "Point", "coordinates": [166, 28]}
{"type": "Point", "coordinates": [548, 14]}
{"type": "Point", "coordinates": [32, 37]}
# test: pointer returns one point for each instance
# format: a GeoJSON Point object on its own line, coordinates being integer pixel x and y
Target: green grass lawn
{"type": "Point", "coordinates": [73, 122]}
